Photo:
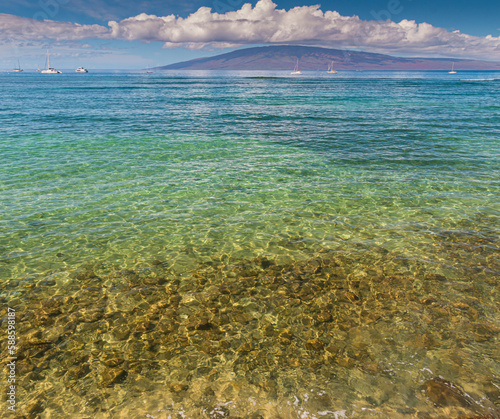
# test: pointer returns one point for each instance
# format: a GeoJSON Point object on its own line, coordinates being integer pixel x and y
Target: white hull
{"type": "Point", "coordinates": [296, 72]}
{"type": "Point", "coordinates": [18, 69]}
{"type": "Point", "coordinates": [81, 70]}
{"type": "Point", "coordinates": [50, 71]}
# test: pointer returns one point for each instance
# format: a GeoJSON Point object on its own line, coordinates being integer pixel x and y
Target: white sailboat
{"type": "Point", "coordinates": [50, 70]}
{"type": "Point", "coordinates": [296, 69]}
{"type": "Point", "coordinates": [18, 69]}
{"type": "Point", "coordinates": [330, 69]}
{"type": "Point", "coordinates": [452, 69]}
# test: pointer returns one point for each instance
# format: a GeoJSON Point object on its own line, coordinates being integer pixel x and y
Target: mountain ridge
{"type": "Point", "coordinates": [283, 57]}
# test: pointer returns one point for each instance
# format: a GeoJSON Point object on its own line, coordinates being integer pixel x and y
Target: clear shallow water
{"type": "Point", "coordinates": [160, 190]}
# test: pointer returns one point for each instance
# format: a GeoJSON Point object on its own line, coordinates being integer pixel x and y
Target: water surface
{"type": "Point", "coordinates": [234, 244]}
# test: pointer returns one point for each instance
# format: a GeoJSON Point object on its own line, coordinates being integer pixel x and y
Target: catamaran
{"type": "Point", "coordinates": [18, 69]}
{"type": "Point", "coordinates": [296, 69]}
{"type": "Point", "coordinates": [50, 70]}
{"type": "Point", "coordinates": [330, 69]}
{"type": "Point", "coordinates": [452, 69]}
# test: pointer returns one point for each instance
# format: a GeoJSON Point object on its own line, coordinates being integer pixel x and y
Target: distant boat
{"type": "Point", "coordinates": [81, 70]}
{"type": "Point", "coordinates": [149, 71]}
{"type": "Point", "coordinates": [18, 69]}
{"type": "Point", "coordinates": [452, 69]}
{"type": "Point", "coordinates": [37, 68]}
{"type": "Point", "coordinates": [330, 69]}
{"type": "Point", "coordinates": [50, 70]}
{"type": "Point", "coordinates": [296, 69]}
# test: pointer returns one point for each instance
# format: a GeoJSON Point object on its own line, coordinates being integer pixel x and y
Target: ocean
{"type": "Point", "coordinates": [252, 244]}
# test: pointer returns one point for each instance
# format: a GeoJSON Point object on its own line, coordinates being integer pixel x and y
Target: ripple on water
{"type": "Point", "coordinates": [337, 334]}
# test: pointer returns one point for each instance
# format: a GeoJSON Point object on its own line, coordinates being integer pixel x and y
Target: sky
{"type": "Point", "coordinates": [137, 34]}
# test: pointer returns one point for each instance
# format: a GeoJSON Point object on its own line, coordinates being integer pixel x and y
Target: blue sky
{"type": "Point", "coordinates": [143, 42]}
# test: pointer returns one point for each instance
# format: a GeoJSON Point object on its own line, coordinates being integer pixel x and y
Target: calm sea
{"type": "Point", "coordinates": [246, 244]}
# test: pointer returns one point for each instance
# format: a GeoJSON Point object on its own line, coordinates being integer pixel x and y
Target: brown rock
{"type": "Point", "coordinates": [324, 316]}
{"type": "Point", "coordinates": [483, 332]}
{"type": "Point", "coordinates": [435, 277]}
{"type": "Point", "coordinates": [246, 347]}
{"type": "Point", "coordinates": [74, 373]}
{"type": "Point", "coordinates": [112, 376]}
{"type": "Point", "coordinates": [348, 296]}
{"type": "Point", "coordinates": [225, 344]}
{"type": "Point", "coordinates": [371, 367]}
{"type": "Point", "coordinates": [242, 318]}
{"type": "Point", "coordinates": [143, 326]}
{"type": "Point", "coordinates": [121, 332]}
{"type": "Point", "coordinates": [286, 334]}
{"type": "Point", "coordinates": [166, 326]}
{"type": "Point", "coordinates": [346, 361]}
{"type": "Point", "coordinates": [428, 301]}
{"type": "Point", "coordinates": [112, 359]}
{"type": "Point", "coordinates": [153, 280]}
{"type": "Point", "coordinates": [263, 262]}
{"type": "Point", "coordinates": [443, 393]}
{"type": "Point", "coordinates": [202, 323]}
{"type": "Point", "coordinates": [314, 345]}
{"type": "Point", "coordinates": [35, 408]}
{"type": "Point", "coordinates": [461, 306]}
{"type": "Point", "coordinates": [178, 387]}
{"type": "Point", "coordinates": [424, 341]}
{"type": "Point", "coordinates": [92, 315]}
{"type": "Point", "coordinates": [208, 348]}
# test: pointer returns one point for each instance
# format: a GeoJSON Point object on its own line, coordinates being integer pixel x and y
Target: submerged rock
{"type": "Point", "coordinates": [35, 408]}
{"type": "Point", "coordinates": [314, 345]}
{"type": "Point", "coordinates": [178, 387]}
{"type": "Point", "coordinates": [435, 277]}
{"type": "Point", "coordinates": [112, 376]}
{"type": "Point", "coordinates": [444, 393]}
{"type": "Point", "coordinates": [112, 358]}
{"type": "Point", "coordinates": [275, 328]}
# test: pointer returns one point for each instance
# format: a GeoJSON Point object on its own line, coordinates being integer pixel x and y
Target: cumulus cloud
{"type": "Point", "coordinates": [266, 24]}
{"type": "Point", "coordinates": [21, 29]}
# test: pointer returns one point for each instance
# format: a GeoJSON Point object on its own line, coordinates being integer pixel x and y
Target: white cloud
{"type": "Point", "coordinates": [19, 29]}
{"type": "Point", "coordinates": [265, 24]}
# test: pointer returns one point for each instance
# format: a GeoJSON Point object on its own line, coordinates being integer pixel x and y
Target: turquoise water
{"type": "Point", "coordinates": [113, 173]}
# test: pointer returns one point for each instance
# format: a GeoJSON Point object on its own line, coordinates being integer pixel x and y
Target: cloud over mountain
{"type": "Point", "coordinates": [265, 24]}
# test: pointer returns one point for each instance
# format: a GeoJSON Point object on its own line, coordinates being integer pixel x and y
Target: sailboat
{"type": "Point", "coordinates": [452, 69]}
{"type": "Point", "coordinates": [330, 69]}
{"type": "Point", "coordinates": [296, 69]}
{"type": "Point", "coordinates": [50, 70]}
{"type": "Point", "coordinates": [18, 69]}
